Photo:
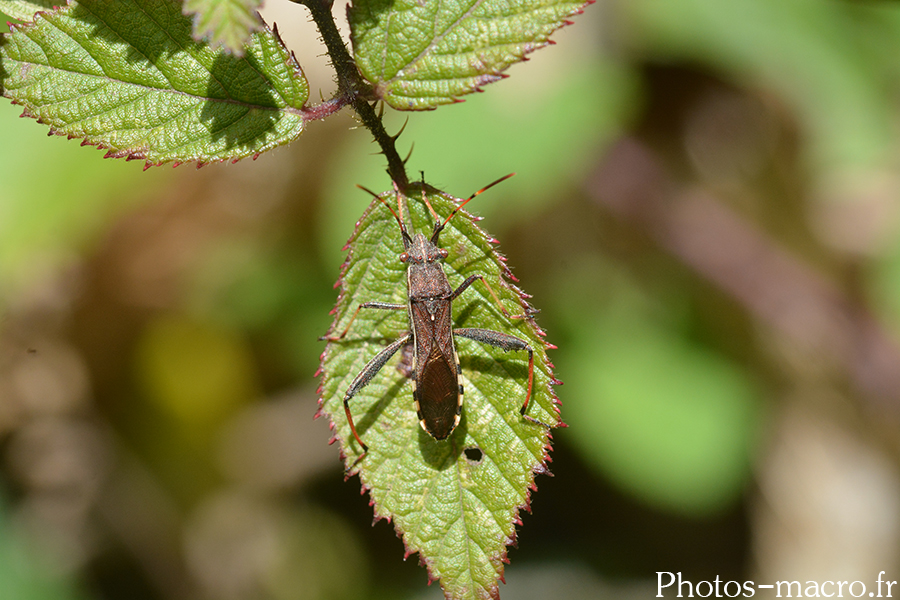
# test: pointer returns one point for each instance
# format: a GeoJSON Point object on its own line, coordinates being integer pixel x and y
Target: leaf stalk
{"type": "Point", "coordinates": [353, 89]}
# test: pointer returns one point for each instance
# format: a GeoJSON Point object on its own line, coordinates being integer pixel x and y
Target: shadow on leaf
{"type": "Point", "coordinates": [237, 104]}
{"type": "Point", "coordinates": [366, 420]}
{"type": "Point", "coordinates": [367, 13]}
{"type": "Point", "coordinates": [248, 110]}
{"type": "Point", "coordinates": [443, 454]}
{"type": "Point", "coordinates": [508, 367]}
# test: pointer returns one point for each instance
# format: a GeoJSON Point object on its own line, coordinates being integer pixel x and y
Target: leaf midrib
{"type": "Point", "coordinates": [172, 89]}
{"type": "Point", "coordinates": [112, 81]}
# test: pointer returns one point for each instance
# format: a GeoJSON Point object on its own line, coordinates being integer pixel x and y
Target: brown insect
{"type": "Point", "coordinates": [435, 367]}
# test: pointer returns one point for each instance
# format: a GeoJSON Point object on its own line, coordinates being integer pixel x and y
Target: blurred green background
{"type": "Point", "coordinates": [706, 212]}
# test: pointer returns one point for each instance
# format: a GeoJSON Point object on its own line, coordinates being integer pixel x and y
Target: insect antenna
{"type": "Point", "coordinates": [427, 203]}
{"type": "Point", "coordinates": [393, 212]}
{"type": "Point", "coordinates": [439, 228]}
{"type": "Point", "coordinates": [437, 219]}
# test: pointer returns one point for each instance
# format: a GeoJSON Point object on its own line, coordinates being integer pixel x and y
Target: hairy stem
{"type": "Point", "coordinates": [352, 87]}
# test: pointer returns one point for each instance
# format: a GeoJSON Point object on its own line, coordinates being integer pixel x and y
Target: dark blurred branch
{"type": "Point", "coordinates": [774, 285]}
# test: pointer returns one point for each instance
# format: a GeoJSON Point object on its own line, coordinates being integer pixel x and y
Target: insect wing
{"type": "Point", "coordinates": [437, 392]}
{"type": "Point", "coordinates": [439, 397]}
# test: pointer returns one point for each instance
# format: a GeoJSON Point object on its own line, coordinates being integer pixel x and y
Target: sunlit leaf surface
{"type": "Point", "coordinates": [455, 505]}
{"type": "Point", "coordinates": [24, 10]}
{"type": "Point", "coordinates": [419, 55]}
{"type": "Point", "coordinates": [128, 77]}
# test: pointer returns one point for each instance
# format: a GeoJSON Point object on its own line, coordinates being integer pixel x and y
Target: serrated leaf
{"type": "Point", "coordinates": [459, 514]}
{"type": "Point", "coordinates": [24, 10]}
{"type": "Point", "coordinates": [226, 23]}
{"type": "Point", "coordinates": [127, 76]}
{"type": "Point", "coordinates": [418, 55]}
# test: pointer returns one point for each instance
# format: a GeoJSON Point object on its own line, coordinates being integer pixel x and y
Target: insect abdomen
{"type": "Point", "coordinates": [438, 396]}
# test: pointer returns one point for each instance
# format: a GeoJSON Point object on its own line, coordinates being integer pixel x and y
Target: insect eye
{"type": "Point", "coordinates": [404, 257]}
{"type": "Point", "coordinates": [443, 252]}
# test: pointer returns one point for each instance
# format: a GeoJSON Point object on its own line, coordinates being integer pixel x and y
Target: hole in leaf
{"type": "Point", "coordinates": [474, 455]}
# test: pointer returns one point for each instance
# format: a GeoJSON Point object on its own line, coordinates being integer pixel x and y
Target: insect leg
{"type": "Point", "coordinates": [471, 279]}
{"type": "Point", "coordinates": [365, 376]}
{"type": "Point", "coordinates": [506, 342]}
{"type": "Point", "coordinates": [381, 305]}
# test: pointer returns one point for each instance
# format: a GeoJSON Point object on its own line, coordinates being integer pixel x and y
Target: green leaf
{"type": "Point", "coordinates": [458, 513]}
{"type": "Point", "coordinates": [226, 23]}
{"type": "Point", "coordinates": [127, 76]}
{"type": "Point", "coordinates": [24, 10]}
{"type": "Point", "coordinates": [418, 55]}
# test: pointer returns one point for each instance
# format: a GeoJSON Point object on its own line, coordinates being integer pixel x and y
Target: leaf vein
{"type": "Point", "coordinates": [193, 58]}
{"type": "Point", "coordinates": [174, 91]}
{"type": "Point", "coordinates": [80, 43]}
{"type": "Point", "coordinates": [439, 37]}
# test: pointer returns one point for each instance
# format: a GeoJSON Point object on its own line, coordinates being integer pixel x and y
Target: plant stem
{"type": "Point", "coordinates": [352, 87]}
